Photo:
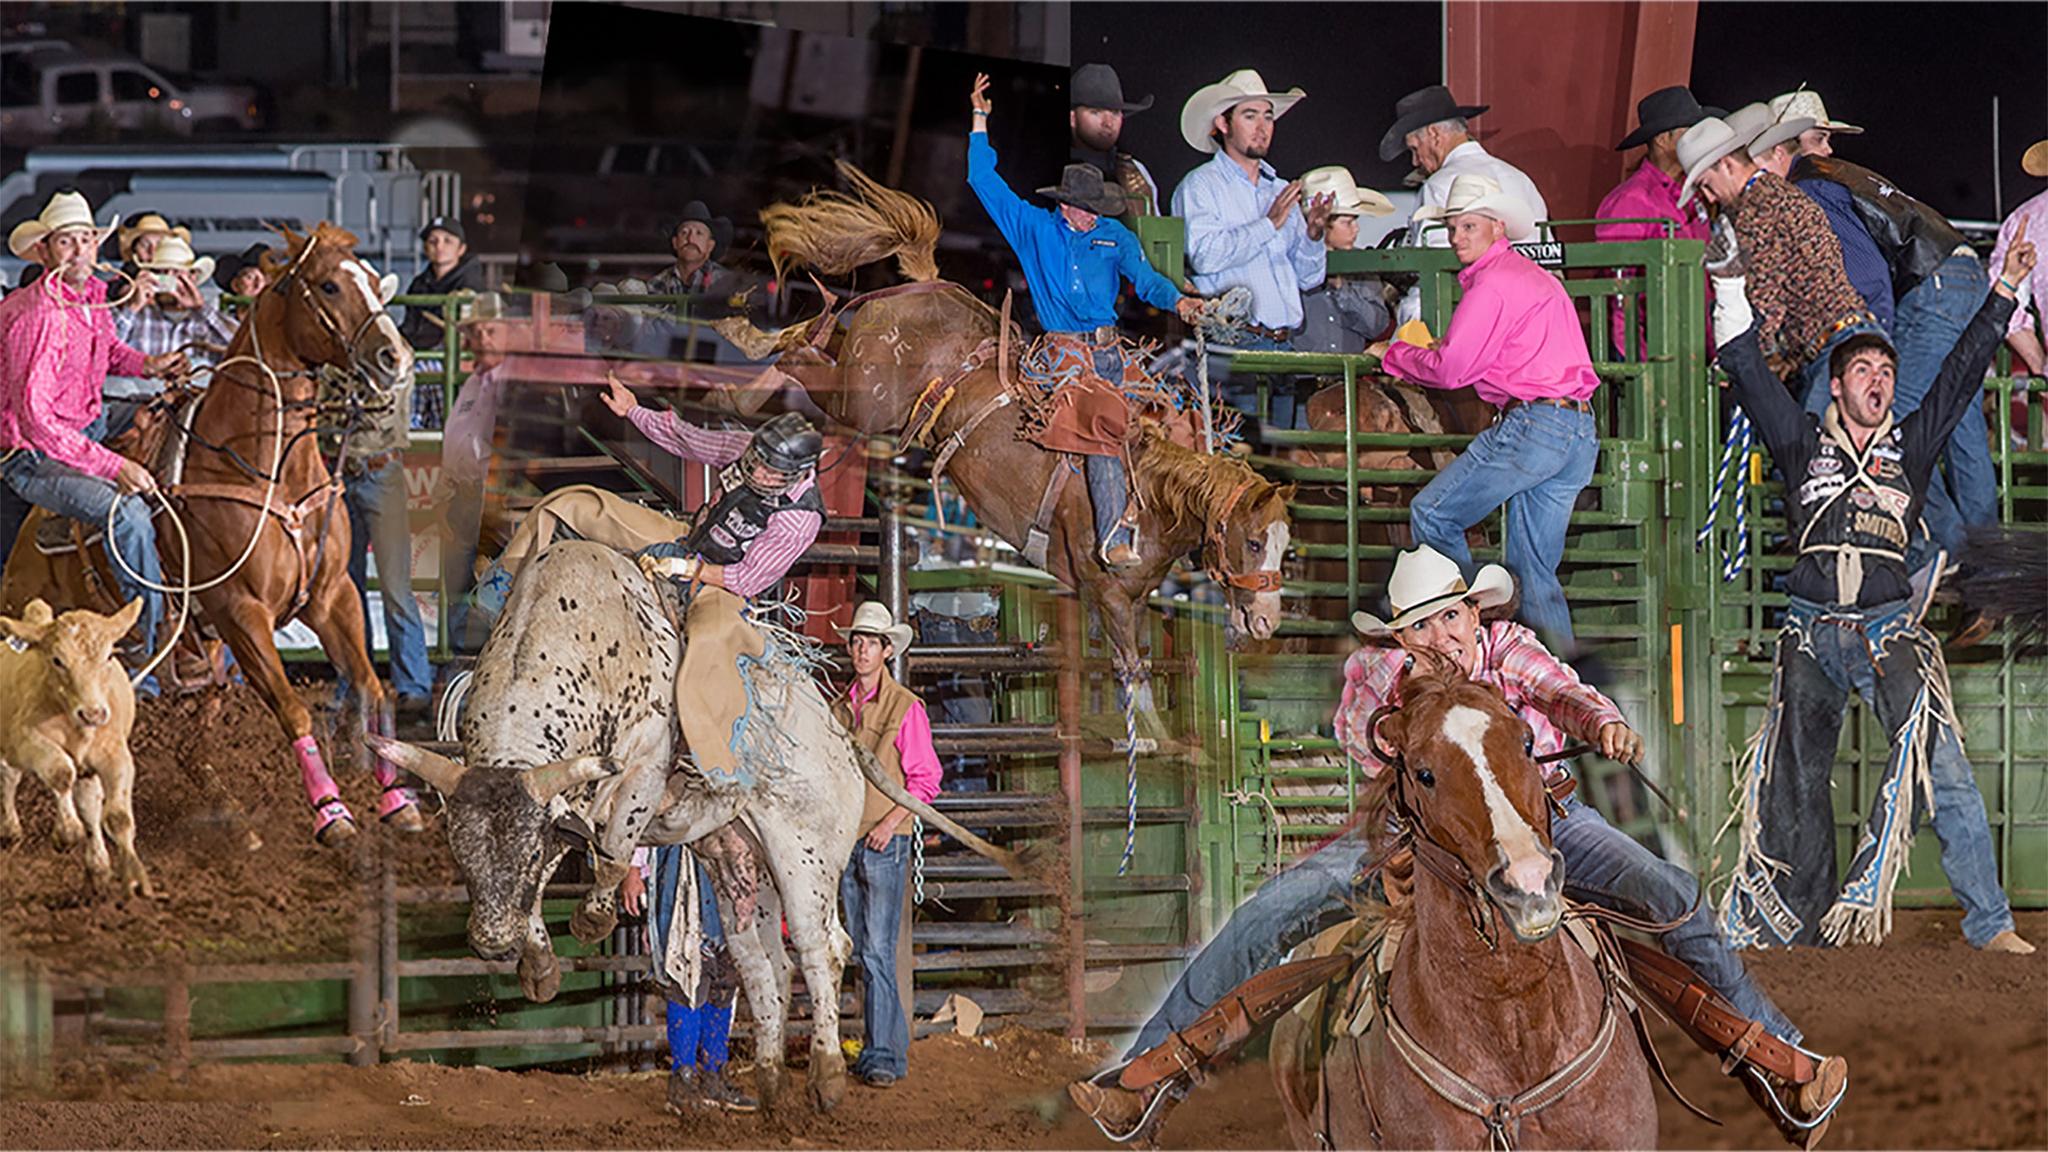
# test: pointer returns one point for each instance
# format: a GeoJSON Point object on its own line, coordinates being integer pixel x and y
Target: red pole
{"type": "Point", "coordinates": [1070, 688]}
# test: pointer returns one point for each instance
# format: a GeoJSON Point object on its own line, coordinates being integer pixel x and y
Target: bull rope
{"type": "Point", "coordinates": [1734, 459]}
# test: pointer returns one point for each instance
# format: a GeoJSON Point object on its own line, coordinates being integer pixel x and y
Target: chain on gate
{"type": "Point", "coordinates": [916, 860]}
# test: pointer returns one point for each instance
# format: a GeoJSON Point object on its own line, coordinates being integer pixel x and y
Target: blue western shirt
{"type": "Point", "coordinates": [1230, 241]}
{"type": "Point", "coordinates": [1073, 275]}
{"type": "Point", "coordinates": [1861, 259]}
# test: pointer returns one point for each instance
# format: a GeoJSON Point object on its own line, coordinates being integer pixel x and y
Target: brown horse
{"type": "Point", "coordinates": [929, 363]}
{"type": "Point", "coordinates": [323, 314]}
{"type": "Point", "coordinates": [1489, 1030]}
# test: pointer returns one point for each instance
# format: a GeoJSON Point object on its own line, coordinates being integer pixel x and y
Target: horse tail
{"type": "Point", "coordinates": [836, 232]}
{"type": "Point", "coordinates": [2005, 574]}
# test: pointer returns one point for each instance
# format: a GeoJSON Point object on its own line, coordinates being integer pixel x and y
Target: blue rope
{"type": "Point", "coordinates": [1734, 459]}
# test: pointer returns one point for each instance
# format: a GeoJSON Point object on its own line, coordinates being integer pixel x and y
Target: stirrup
{"type": "Point", "coordinates": [332, 821]}
{"type": "Point", "coordinates": [1171, 1090]}
{"type": "Point", "coordinates": [1779, 1113]}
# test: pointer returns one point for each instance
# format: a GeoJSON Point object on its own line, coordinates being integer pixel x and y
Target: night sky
{"type": "Point", "coordinates": [1918, 77]}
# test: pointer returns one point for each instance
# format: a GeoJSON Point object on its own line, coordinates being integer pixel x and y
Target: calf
{"type": "Point", "coordinates": [66, 707]}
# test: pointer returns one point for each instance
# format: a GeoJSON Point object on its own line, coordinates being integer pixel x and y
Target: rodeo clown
{"type": "Point", "coordinates": [1856, 478]}
{"type": "Point", "coordinates": [1225, 994]}
{"type": "Point", "coordinates": [1074, 260]}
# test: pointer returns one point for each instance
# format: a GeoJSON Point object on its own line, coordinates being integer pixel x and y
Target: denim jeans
{"type": "Point", "coordinates": [1821, 662]}
{"type": "Point", "coordinates": [1241, 390]}
{"type": "Point", "coordinates": [1601, 865]}
{"type": "Point", "coordinates": [1931, 319]}
{"type": "Point", "coordinates": [1107, 493]}
{"type": "Point", "coordinates": [377, 519]}
{"type": "Point", "coordinates": [465, 516]}
{"type": "Point", "coordinates": [1818, 395]}
{"type": "Point", "coordinates": [1537, 458]}
{"type": "Point", "coordinates": [871, 897]}
{"type": "Point", "coordinates": [36, 479]}
{"type": "Point", "coordinates": [13, 511]}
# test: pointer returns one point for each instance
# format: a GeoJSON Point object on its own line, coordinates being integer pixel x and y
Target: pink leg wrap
{"type": "Point", "coordinates": [392, 798]}
{"type": "Point", "coordinates": [321, 792]}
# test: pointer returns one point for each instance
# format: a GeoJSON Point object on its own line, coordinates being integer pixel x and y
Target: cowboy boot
{"type": "Point", "coordinates": [1121, 1113]}
{"type": "Point", "coordinates": [719, 1092]}
{"type": "Point", "coordinates": [1802, 1111]}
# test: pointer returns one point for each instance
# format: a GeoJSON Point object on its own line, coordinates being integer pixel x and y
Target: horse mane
{"type": "Point", "coordinates": [1181, 481]}
{"type": "Point", "coordinates": [330, 235]}
{"type": "Point", "coordinates": [836, 232]}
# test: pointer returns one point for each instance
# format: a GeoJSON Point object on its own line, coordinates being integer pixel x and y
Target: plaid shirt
{"type": "Point", "coordinates": [154, 331]}
{"type": "Point", "coordinates": [1540, 687]}
{"type": "Point", "coordinates": [1797, 285]}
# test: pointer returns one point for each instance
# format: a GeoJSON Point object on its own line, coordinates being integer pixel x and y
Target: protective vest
{"type": "Point", "coordinates": [880, 720]}
{"type": "Point", "coordinates": [1914, 238]}
{"type": "Point", "coordinates": [1853, 510]}
{"type": "Point", "coordinates": [723, 534]}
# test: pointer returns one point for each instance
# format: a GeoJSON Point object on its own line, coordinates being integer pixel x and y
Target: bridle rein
{"type": "Point", "coordinates": [1215, 562]}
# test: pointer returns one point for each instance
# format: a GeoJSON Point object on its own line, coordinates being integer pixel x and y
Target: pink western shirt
{"type": "Point", "coordinates": [2035, 212]}
{"type": "Point", "coordinates": [914, 751]}
{"type": "Point", "coordinates": [1514, 336]}
{"type": "Point", "coordinates": [55, 354]}
{"type": "Point", "coordinates": [789, 532]}
{"type": "Point", "coordinates": [1648, 192]}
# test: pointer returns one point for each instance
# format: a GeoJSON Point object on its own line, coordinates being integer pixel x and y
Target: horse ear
{"type": "Point", "coordinates": [1287, 493]}
{"type": "Point", "coordinates": [387, 288]}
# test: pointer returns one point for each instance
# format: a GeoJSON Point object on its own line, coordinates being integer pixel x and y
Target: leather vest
{"type": "Point", "coordinates": [880, 720]}
{"type": "Point", "coordinates": [1122, 170]}
{"type": "Point", "coordinates": [723, 534]}
{"type": "Point", "coordinates": [1853, 512]}
{"type": "Point", "coordinates": [1914, 238]}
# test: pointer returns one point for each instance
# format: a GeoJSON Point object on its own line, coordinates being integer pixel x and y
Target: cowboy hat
{"type": "Point", "coordinates": [1081, 186]}
{"type": "Point", "coordinates": [484, 307]}
{"type": "Point", "coordinates": [872, 619]}
{"type": "Point", "coordinates": [65, 211]}
{"type": "Point", "coordinates": [174, 254]}
{"type": "Point", "coordinates": [721, 226]}
{"type": "Point", "coordinates": [1425, 582]}
{"type": "Point", "coordinates": [1663, 110]}
{"type": "Point", "coordinates": [1706, 142]}
{"type": "Point", "coordinates": [147, 224]}
{"type": "Point", "coordinates": [234, 265]}
{"type": "Point", "coordinates": [1097, 86]}
{"type": "Point", "coordinates": [1805, 102]}
{"type": "Point", "coordinates": [1419, 109]}
{"type": "Point", "coordinates": [1784, 130]}
{"type": "Point", "coordinates": [1349, 199]}
{"type": "Point", "coordinates": [1212, 100]}
{"type": "Point", "coordinates": [1473, 193]}
{"type": "Point", "coordinates": [2035, 161]}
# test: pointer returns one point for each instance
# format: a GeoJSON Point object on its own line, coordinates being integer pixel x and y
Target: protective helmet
{"type": "Point", "coordinates": [787, 444]}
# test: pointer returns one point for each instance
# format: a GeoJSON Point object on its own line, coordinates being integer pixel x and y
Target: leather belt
{"type": "Point", "coordinates": [1105, 335]}
{"type": "Point", "coordinates": [1283, 335]}
{"type": "Point", "coordinates": [1564, 402]}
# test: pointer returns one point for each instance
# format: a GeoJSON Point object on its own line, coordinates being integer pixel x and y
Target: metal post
{"type": "Point", "coordinates": [394, 56]}
{"type": "Point", "coordinates": [387, 948]}
{"type": "Point", "coordinates": [363, 984]}
{"type": "Point", "coordinates": [1070, 686]}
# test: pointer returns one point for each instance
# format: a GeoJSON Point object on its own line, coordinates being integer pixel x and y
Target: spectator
{"type": "Point", "coordinates": [243, 274]}
{"type": "Point", "coordinates": [1343, 314]}
{"type": "Point", "coordinates": [1097, 123]}
{"type": "Point", "coordinates": [449, 269]}
{"type": "Point", "coordinates": [2023, 333]}
{"type": "Point", "coordinates": [890, 722]}
{"type": "Point", "coordinates": [173, 317]}
{"type": "Point", "coordinates": [698, 1036]}
{"type": "Point", "coordinates": [699, 240]}
{"type": "Point", "coordinates": [466, 449]}
{"type": "Point", "coordinates": [1515, 340]}
{"type": "Point", "coordinates": [1651, 192]}
{"type": "Point", "coordinates": [1246, 227]}
{"type": "Point", "coordinates": [1433, 128]}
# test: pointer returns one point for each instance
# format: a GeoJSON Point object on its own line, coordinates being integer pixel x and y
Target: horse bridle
{"type": "Point", "coordinates": [350, 346]}
{"type": "Point", "coordinates": [1257, 581]}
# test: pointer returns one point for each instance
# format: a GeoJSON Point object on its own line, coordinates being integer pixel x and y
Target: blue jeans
{"type": "Point", "coordinates": [465, 516]}
{"type": "Point", "coordinates": [1107, 493]}
{"type": "Point", "coordinates": [871, 896]}
{"type": "Point", "coordinates": [376, 513]}
{"type": "Point", "coordinates": [1931, 319]}
{"type": "Point", "coordinates": [36, 479]}
{"type": "Point", "coordinates": [1537, 458]}
{"type": "Point", "coordinates": [1241, 390]}
{"type": "Point", "coordinates": [1601, 866]}
{"type": "Point", "coordinates": [1818, 393]}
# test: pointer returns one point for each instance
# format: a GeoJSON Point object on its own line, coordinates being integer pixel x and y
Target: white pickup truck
{"type": "Point", "coordinates": [53, 92]}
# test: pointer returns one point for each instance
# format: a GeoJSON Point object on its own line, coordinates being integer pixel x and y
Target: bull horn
{"type": "Point", "coordinates": [551, 780]}
{"type": "Point", "coordinates": [438, 770]}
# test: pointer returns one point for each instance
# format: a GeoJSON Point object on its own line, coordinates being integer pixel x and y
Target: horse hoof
{"type": "Point", "coordinates": [400, 809]}
{"type": "Point", "coordinates": [333, 823]}
{"type": "Point", "coordinates": [68, 834]}
{"type": "Point", "coordinates": [591, 927]}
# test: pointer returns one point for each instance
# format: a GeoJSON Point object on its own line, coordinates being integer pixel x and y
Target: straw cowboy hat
{"type": "Point", "coordinates": [872, 619]}
{"type": "Point", "coordinates": [1784, 129]}
{"type": "Point", "coordinates": [1081, 186]}
{"type": "Point", "coordinates": [1420, 109]}
{"type": "Point", "coordinates": [1805, 102]}
{"type": "Point", "coordinates": [1708, 141]}
{"type": "Point", "coordinates": [1425, 582]}
{"type": "Point", "coordinates": [1473, 193]}
{"type": "Point", "coordinates": [1663, 110]}
{"type": "Point", "coordinates": [65, 211]}
{"type": "Point", "coordinates": [1348, 198]}
{"type": "Point", "coordinates": [1212, 100]}
{"type": "Point", "coordinates": [174, 254]}
{"type": "Point", "coordinates": [2035, 161]}
{"type": "Point", "coordinates": [148, 224]}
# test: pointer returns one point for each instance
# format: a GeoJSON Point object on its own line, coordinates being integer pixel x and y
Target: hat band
{"type": "Point", "coordinates": [1458, 592]}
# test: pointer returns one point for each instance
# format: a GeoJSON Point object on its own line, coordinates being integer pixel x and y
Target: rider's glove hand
{"type": "Point", "coordinates": [673, 567]}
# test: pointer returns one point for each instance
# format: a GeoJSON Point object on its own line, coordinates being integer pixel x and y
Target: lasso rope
{"type": "Point", "coordinates": [1734, 458]}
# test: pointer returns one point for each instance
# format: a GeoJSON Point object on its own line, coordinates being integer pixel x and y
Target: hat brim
{"type": "Point", "coordinates": [1211, 101]}
{"type": "Point", "coordinates": [1107, 206]}
{"type": "Point", "coordinates": [201, 268]}
{"type": "Point", "coordinates": [1491, 587]}
{"type": "Point", "coordinates": [1780, 133]}
{"type": "Point", "coordinates": [1645, 133]}
{"type": "Point", "coordinates": [1126, 109]}
{"type": "Point", "coordinates": [1395, 141]}
{"type": "Point", "coordinates": [899, 636]}
{"type": "Point", "coordinates": [31, 232]}
{"type": "Point", "coordinates": [1839, 128]}
{"type": "Point", "coordinates": [2034, 162]}
{"type": "Point", "coordinates": [1509, 211]}
{"type": "Point", "coordinates": [1699, 169]}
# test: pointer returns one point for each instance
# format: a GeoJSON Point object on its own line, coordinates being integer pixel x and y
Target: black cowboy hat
{"type": "Point", "coordinates": [234, 265]}
{"type": "Point", "coordinates": [1097, 86]}
{"type": "Point", "coordinates": [1082, 186]}
{"type": "Point", "coordinates": [1417, 109]}
{"type": "Point", "coordinates": [1663, 110]}
{"type": "Point", "coordinates": [721, 226]}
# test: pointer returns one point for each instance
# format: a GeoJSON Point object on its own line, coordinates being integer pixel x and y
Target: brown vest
{"type": "Point", "coordinates": [880, 719]}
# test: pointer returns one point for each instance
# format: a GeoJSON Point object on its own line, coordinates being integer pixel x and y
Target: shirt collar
{"type": "Point", "coordinates": [1468, 148]}
{"type": "Point", "coordinates": [1222, 159]}
{"type": "Point", "coordinates": [1486, 260]}
{"type": "Point", "coordinates": [1655, 177]}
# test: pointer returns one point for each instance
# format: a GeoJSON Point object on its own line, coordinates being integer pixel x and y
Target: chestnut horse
{"type": "Point", "coordinates": [323, 315]}
{"type": "Point", "coordinates": [930, 364]}
{"type": "Point", "coordinates": [1489, 1030]}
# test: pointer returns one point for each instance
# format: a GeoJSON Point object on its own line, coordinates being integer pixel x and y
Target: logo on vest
{"type": "Point", "coordinates": [1826, 465]}
{"type": "Point", "coordinates": [1874, 524]}
{"type": "Point", "coordinates": [1818, 488]}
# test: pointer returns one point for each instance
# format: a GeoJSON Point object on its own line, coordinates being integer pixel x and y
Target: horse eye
{"type": "Point", "coordinates": [331, 288]}
{"type": "Point", "coordinates": [1425, 777]}
{"type": "Point", "coordinates": [1255, 544]}
{"type": "Point", "coordinates": [1528, 745]}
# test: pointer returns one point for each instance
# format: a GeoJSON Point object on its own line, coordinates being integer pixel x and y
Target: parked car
{"type": "Point", "coordinates": [52, 92]}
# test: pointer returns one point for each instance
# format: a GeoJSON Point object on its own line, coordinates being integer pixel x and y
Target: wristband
{"type": "Point", "coordinates": [2008, 285]}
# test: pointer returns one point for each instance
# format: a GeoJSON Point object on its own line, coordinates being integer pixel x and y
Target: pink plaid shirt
{"type": "Point", "coordinates": [789, 532]}
{"type": "Point", "coordinates": [1539, 686]}
{"type": "Point", "coordinates": [1514, 335]}
{"type": "Point", "coordinates": [54, 359]}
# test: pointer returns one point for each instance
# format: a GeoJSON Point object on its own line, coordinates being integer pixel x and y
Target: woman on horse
{"type": "Point", "coordinates": [1435, 610]}
{"type": "Point", "coordinates": [1075, 259]}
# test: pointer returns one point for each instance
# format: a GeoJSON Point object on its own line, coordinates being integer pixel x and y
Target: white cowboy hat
{"type": "Point", "coordinates": [1783, 129]}
{"type": "Point", "coordinates": [1706, 142]}
{"type": "Point", "coordinates": [2034, 162]}
{"type": "Point", "coordinates": [1425, 582]}
{"type": "Point", "coordinates": [1805, 102]}
{"type": "Point", "coordinates": [147, 224]}
{"type": "Point", "coordinates": [872, 618]}
{"type": "Point", "coordinates": [1351, 200]}
{"type": "Point", "coordinates": [1473, 193]}
{"type": "Point", "coordinates": [173, 253]}
{"type": "Point", "coordinates": [1211, 99]}
{"type": "Point", "coordinates": [65, 211]}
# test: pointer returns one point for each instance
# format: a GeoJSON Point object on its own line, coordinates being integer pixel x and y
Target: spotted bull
{"type": "Point", "coordinates": [567, 725]}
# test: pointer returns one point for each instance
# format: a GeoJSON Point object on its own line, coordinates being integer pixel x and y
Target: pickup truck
{"type": "Point", "coordinates": [55, 92]}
